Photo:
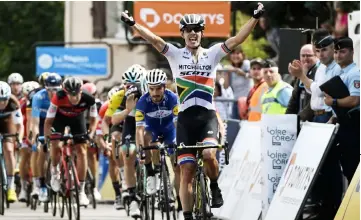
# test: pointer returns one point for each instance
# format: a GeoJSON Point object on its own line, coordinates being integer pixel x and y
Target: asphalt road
{"type": "Point", "coordinates": [19, 211]}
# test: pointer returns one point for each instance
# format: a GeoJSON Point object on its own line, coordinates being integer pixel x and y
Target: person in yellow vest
{"type": "Point", "coordinates": [255, 94]}
{"type": "Point", "coordinates": [275, 100]}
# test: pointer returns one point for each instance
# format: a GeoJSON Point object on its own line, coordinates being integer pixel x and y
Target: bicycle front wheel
{"type": "Point", "coordinates": [73, 194]}
{"type": "Point", "coordinates": [205, 202]}
{"type": "Point", "coordinates": [2, 187]}
{"type": "Point", "coordinates": [165, 199]}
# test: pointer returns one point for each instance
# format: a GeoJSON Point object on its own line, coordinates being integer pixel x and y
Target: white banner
{"type": "Point", "coordinates": [243, 163]}
{"type": "Point", "coordinates": [301, 168]}
{"type": "Point", "coordinates": [279, 133]}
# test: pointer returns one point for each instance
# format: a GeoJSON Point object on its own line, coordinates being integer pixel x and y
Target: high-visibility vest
{"type": "Point", "coordinates": [255, 103]}
{"type": "Point", "coordinates": [270, 105]}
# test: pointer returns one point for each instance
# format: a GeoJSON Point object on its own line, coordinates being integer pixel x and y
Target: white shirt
{"type": "Point", "coordinates": [322, 75]}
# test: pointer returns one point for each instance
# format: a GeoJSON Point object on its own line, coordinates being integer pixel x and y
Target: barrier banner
{"type": "Point", "coordinates": [350, 206]}
{"type": "Point", "coordinates": [307, 155]}
{"type": "Point", "coordinates": [251, 201]}
{"type": "Point", "coordinates": [244, 160]}
{"type": "Point", "coordinates": [232, 128]}
{"type": "Point", "coordinates": [279, 133]}
{"type": "Point", "coordinates": [104, 182]}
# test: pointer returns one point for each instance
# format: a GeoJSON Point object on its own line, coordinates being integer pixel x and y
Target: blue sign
{"type": "Point", "coordinates": [72, 61]}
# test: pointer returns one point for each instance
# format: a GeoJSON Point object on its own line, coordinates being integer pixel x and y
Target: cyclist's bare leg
{"type": "Point", "coordinates": [23, 165]}
{"type": "Point", "coordinates": [55, 153]}
{"type": "Point", "coordinates": [10, 162]}
{"type": "Point", "coordinates": [41, 164]}
{"type": "Point", "coordinates": [187, 172]}
{"type": "Point", "coordinates": [34, 168]}
{"type": "Point", "coordinates": [210, 163]}
{"type": "Point", "coordinates": [92, 161]}
{"type": "Point", "coordinates": [81, 162]}
{"type": "Point", "coordinates": [129, 169]}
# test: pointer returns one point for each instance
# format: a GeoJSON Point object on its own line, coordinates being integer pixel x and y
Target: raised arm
{"type": "Point", "coordinates": [246, 29]}
{"type": "Point", "coordinates": [157, 42]}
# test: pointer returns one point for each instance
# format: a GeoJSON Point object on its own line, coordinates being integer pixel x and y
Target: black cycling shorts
{"type": "Point", "coordinates": [129, 128]}
{"type": "Point", "coordinates": [195, 124]}
{"type": "Point", "coordinates": [77, 125]}
{"type": "Point", "coordinates": [118, 128]}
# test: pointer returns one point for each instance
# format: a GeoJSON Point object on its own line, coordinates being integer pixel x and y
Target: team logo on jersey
{"type": "Point", "coordinates": [175, 110]}
{"type": "Point", "coordinates": [356, 84]}
{"type": "Point", "coordinates": [139, 116]}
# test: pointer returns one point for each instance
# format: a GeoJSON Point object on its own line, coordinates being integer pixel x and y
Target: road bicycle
{"type": "Point", "coordinates": [201, 195]}
{"type": "Point", "coordinates": [3, 175]}
{"type": "Point", "coordinates": [69, 190]}
{"type": "Point", "coordinates": [166, 195]}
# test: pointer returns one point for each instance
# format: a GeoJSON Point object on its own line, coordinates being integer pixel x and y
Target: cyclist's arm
{"type": "Point", "coordinates": [34, 128]}
{"type": "Point", "coordinates": [140, 123]}
{"type": "Point", "coordinates": [221, 125]}
{"type": "Point", "coordinates": [157, 42]}
{"type": "Point", "coordinates": [120, 116]}
{"type": "Point", "coordinates": [50, 116]}
{"type": "Point", "coordinates": [139, 136]}
{"type": "Point", "coordinates": [246, 29]}
{"type": "Point", "coordinates": [93, 121]}
{"type": "Point", "coordinates": [35, 117]}
{"type": "Point", "coordinates": [18, 121]}
{"type": "Point", "coordinates": [29, 121]}
{"type": "Point", "coordinates": [105, 124]}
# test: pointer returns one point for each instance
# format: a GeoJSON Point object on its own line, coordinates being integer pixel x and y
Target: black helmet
{"type": "Point", "coordinates": [72, 85]}
{"type": "Point", "coordinates": [191, 19]}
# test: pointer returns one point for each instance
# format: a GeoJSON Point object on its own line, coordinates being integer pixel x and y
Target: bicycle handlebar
{"type": "Point", "coordinates": [160, 146]}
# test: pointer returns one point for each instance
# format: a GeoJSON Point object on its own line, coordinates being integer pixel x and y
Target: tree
{"type": "Point", "coordinates": [22, 25]}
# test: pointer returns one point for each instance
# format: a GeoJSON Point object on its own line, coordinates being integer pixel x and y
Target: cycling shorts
{"type": "Point", "coordinates": [7, 127]}
{"type": "Point", "coordinates": [77, 125]}
{"type": "Point", "coordinates": [129, 130]}
{"type": "Point", "coordinates": [118, 128]}
{"type": "Point", "coordinates": [195, 124]}
{"type": "Point", "coordinates": [169, 137]}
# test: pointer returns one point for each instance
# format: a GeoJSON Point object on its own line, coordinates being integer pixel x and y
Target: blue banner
{"type": "Point", "coordinates": [72, 61]}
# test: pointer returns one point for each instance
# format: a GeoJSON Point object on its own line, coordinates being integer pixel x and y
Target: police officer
{"type": "Point", "coordinates": [347, 109]}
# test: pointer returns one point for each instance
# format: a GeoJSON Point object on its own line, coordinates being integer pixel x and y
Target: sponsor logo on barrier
{"type": "Point", "coordinates": [280, 135]}
{"type": "Point", "coordinates": [278, 159]}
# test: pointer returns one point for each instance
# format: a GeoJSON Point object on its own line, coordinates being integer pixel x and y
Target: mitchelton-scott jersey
{"type": "Point", "coordinates": [195, 75]}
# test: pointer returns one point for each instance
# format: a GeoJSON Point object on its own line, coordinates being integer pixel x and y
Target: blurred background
{"type": "Point", "coordinates": [279, 34]}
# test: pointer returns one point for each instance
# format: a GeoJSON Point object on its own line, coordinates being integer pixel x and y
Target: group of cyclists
{"type": "Point", "coordinates": [140, 110]}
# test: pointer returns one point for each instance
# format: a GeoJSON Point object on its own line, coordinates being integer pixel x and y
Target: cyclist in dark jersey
{"type": "Point", "coordinates": [67, 109]}
{"type": "Point", "coordinates": [11, 121]}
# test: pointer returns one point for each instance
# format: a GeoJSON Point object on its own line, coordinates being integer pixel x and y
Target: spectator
{"type": "Point", "coordinates": [326, 193]}
{"type": "Point", "coordinates": [275, 100]}
{"type": "Point", "coordinates": [324, 46]}
{"type": "Point", "coordinates": [272, 35]}
{"type": "Point", "coordinates": [347, 108]}
{"type": "Point", "coordinates": [259, 88]}
{"type": "Point", "coordinates": [221, 107]}
{"type": "Point", "coordinates": [300, 100]}
{"type": "Point", "coordinates": [241, 82]}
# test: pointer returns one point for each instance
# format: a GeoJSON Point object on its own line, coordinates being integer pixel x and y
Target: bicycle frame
{"type": "Point", "coordinates": [4, 183]}
{"type": "Point", "coordinates": [65, 159]}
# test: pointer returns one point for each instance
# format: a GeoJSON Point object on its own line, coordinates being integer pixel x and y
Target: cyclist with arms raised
{"type": "Point", "coordinates": [194, 69]}
{"type": "Point", "coordinates": [67, 108]}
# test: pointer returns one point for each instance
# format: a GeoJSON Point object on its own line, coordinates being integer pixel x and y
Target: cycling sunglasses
{"type": "Point", "coordinates": [194, 28]}
{"type": "Point", "coordinates": [52, 89]}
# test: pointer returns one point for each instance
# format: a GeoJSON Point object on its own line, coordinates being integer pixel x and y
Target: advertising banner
{"type": "Point", "coordinates": [72, 61]}
{"type": "Point", "coordinates": [244, 161]}
{"type": "Point", "coordinates": [279, 134]}
{"type": "Point", "coordinates": [162, 18]}
{"type": "Point", "coordinates": [307, 154]}
{"type": "Point", "coordinates": [350, 206]}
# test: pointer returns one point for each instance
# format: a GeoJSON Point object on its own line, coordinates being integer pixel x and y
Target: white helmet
{"type": "Point", "coordinates": [5, 90]}
{"type": "Point", "coordinates": [113, 90]}
{"type": "Point", "coordinates": [133, 74]}
{"type": "Point", "coordinates": [156, 77]}
{"type": "Point", "coordinates": [30, 86]}
{"type": "Point", "coordinates": [15, 78]}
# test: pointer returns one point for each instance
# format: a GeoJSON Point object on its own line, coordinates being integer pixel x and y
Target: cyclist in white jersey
{"type": "Point", "coordinates": [194, 69]}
